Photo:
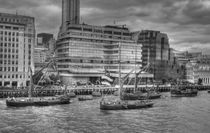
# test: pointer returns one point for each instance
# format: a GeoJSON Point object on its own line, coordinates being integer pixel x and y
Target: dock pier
{"type": "Point", "coordinates": [4, 93]}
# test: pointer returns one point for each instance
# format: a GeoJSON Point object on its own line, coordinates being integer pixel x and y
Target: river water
{"type": "Point", "coordinates": [169, 115]}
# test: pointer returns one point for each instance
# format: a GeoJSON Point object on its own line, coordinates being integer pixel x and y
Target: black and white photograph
{"type": "Point", "coordinates": [104, 66]}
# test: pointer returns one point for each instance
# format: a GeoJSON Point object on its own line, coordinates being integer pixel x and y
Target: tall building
{"type": "Point", "coordinates": [85, 52]}
{"type": "Point", "coordinates": [70, 12]}
{"type": "Point", "coordinates": [156, 51]}
{"type": "Point", "coordinates": [155, 46]}
{"type": "Point", "coordinates": [17, 39]}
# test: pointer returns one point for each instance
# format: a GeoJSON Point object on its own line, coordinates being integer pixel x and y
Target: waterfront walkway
{"type": "Point", "coordinates": [83, 90]}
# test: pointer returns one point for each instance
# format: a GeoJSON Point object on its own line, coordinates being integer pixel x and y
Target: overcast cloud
{"type": "Point", "coordinates": [187, 22]}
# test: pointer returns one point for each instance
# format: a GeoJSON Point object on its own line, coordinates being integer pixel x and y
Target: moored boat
{"type": "Point", "coordinates": [183, 91]}
{"type": "Point", "coordinates": [20, 102]}
{"type": "Point", "coordinates": [85, 98]}
{"type": "Point", "coordinates": [36, 101]}
{"type": "Point", "coordinates": [123, 104]}
{"type": "Point", "coordinates": [96, 94]}
{"type": "Point", "coordinates": [71, 94]}
{"type": "Point", "coordinates": [154, 95]}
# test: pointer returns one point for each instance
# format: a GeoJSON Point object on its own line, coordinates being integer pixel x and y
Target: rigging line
{"type": "Point", "coordinates": [42, 75]}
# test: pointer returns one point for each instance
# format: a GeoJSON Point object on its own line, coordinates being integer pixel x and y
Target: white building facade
{"type": "Point", "coordinates": [17, 39]}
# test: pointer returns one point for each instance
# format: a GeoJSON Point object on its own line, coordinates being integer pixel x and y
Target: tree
{"type": "Point", "coordinates": [200, 81]}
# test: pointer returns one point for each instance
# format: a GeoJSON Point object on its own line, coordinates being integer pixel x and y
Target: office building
{"type": "Point", "coordinates": [17, 39]}
{"type": "Point", "coordinates": [41, 57]}
{"type": "Point", "coordinates": [84, 52]}
{"type": "Point", "coordinates": [157, 52]}
{"type": "Point", "coordinates": [70, 12]}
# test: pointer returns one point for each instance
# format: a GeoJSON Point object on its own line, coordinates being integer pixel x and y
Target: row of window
{"type": "Point", "coordinates": [8, 45]}
{"type": "Point", "coordinates": [15, 76]}
{"type": "Point", "coordinates": [9, 39]}
{"type": "Point", "coordinates": [9, 56]}
{"type": "Point", "coordinates": [93, 61]}
{"type": "Point", "coordinates": [9, 27]}
{"type": "Point", "coordinates": [5, 69]}
{"type": "Point", "coordinates": [9, 33]}
{"type": "Point", "coordinates": [8, 50]}
{"type": "Point", "coordinates": [9, 62]}
{"type": "Point", "coordinates": [100, 31]}
{"type": "Point", "coordinates": [16, 20]}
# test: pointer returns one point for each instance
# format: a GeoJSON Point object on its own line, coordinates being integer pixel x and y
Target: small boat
{"type": "Point", "coordinates": [52, 101]}
{"type": "Point", "coordinates": [20, 102]}
{"type": "Point", "coordinates": [154, 95]}
{"type": "Point", "coordinates": [183, 91]}
{"type": "Point", "coordinates": [96, 94]}
{"type": "Point", "coordinates": [71, 94]}
{"type": "Point", "coordinates": [85, 98]}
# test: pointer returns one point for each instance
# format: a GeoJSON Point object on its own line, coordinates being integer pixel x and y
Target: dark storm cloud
{"type": "Point", "coordinates": [187, 22]}
{"type": "Point", "coordinates": [198, 12]}
{"type": "Point", "coordinates": [46, 12]}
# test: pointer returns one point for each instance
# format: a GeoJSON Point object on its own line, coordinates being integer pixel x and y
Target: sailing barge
{"type": "Point", "coordinates": [37, 101]}
{"type": "Point", "coordinates": [122, 104]}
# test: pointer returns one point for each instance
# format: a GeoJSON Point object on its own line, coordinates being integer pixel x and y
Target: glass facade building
{"type": "Point", "coordinates": [84, 52]}
{"type": "Point", "coordinates": [156, 51]}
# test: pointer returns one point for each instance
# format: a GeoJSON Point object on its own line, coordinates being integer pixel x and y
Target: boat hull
{"type": "Point", "coordinates": [23, 102]}
{"type": "Point", "coordinates": [157, 96]}
{"type": "Point", "coordinates": [49, 103]}
{"type": "Point", "coordinates": [131, 96]}
{"type": "Point", "coordinates": [19, 103]}
{"type": "Point", "coordinates": [125, 105]}
{"type": "Point", "coordinates": [183, 94]}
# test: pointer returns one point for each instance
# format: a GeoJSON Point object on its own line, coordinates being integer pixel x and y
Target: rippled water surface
{"type": "Point", "coordinates": [169, 115]}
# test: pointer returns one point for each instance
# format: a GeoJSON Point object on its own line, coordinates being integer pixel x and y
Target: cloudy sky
{"type": "Point", "coordinates": [187, 22]}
